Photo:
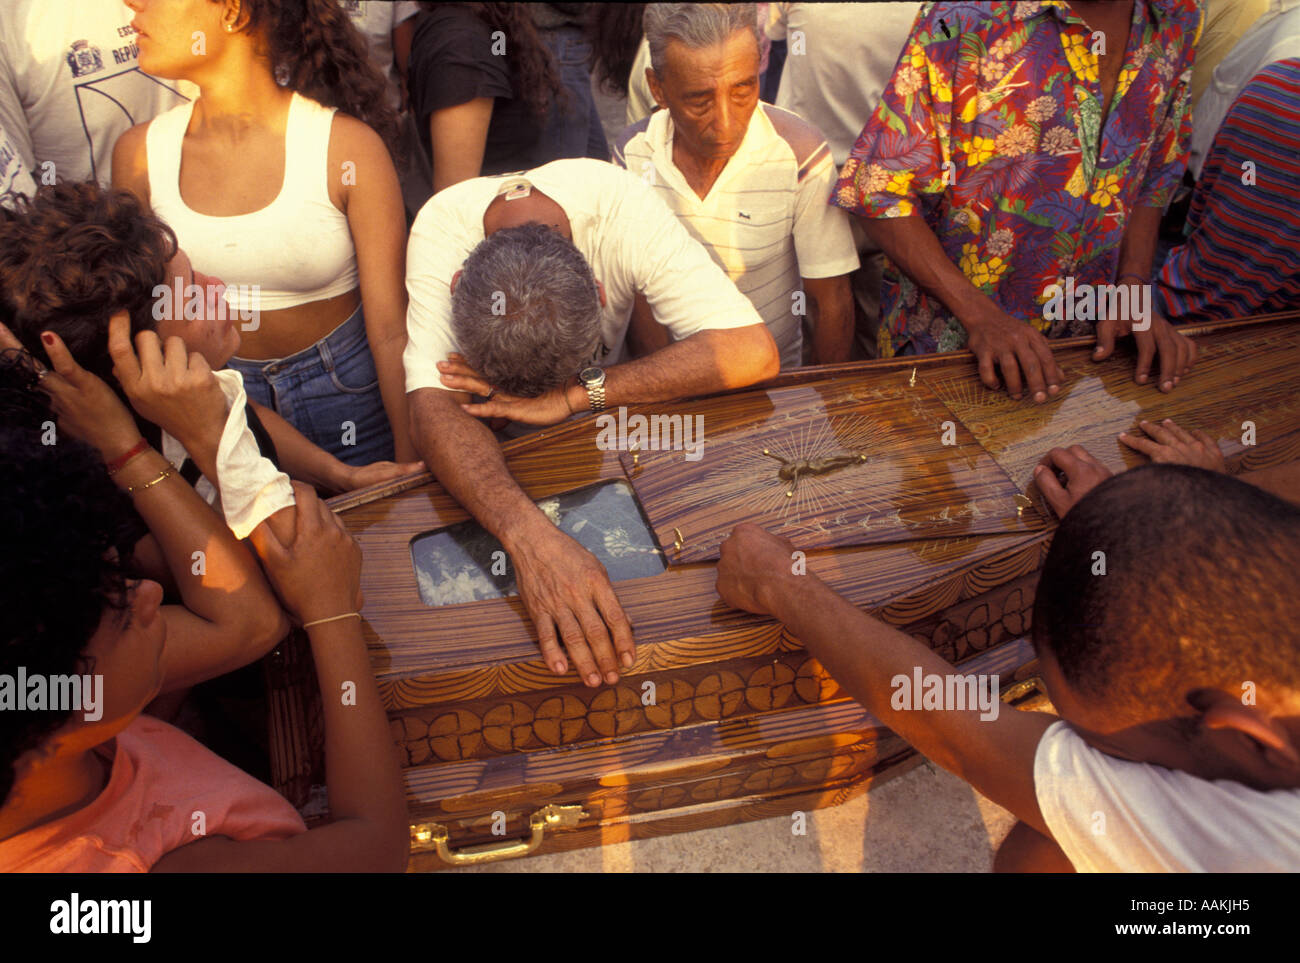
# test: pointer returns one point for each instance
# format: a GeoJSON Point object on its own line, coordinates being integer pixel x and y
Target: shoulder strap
{"type": "Point", "coordinates": [163, 140]}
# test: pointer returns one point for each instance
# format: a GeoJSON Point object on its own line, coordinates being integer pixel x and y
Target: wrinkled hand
{"type": "Point", "coordinates": [1022, 354]}
{"type": "Point", "coordinates": [1083, 473]}
{"type": "Point", "coordinates": [563, 585]}
{"type": "Point", "coordinates": [378, 472]}
{"type": "Point", "coordinates": [1171, 444]}
{"type": "Point", "coordinates": [1177, 352]}
{"type": "Point", "coordinates": [549, 408]}
{"type": "Point", "coordinates": [168, 385]}
{"type": "Point", "coordinates": [86, 407]}
{"type": "Point", "coordinates": [317, 575]}
{"type": "Point", "coordinates": [752, 563]}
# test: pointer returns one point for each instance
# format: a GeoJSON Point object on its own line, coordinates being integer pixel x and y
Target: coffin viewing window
{"type": "Point", "coordinates": [457, 564]}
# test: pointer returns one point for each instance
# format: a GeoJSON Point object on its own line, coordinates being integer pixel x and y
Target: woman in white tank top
{"type": "Point", "coordinates": [281, 192]}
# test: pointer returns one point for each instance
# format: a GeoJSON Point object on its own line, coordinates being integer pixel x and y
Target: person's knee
{"type": "Point", "coordinates": [1026, 850]}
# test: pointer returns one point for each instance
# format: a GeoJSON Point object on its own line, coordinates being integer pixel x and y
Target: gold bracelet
{"type": "Point", "coordinates": [162, 475]}
{"type": "Point", "coordinates": [333, 618]}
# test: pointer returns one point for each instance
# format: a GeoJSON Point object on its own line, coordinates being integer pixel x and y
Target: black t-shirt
{"type": "Point", "coordinates": [452, 63]}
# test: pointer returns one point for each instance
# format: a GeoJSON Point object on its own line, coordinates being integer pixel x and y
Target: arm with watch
{"type": "Point", "coordinates": [692, 366]}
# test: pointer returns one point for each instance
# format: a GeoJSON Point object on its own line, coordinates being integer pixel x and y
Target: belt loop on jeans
{"type": "Point", "coordinates": [323, 348]}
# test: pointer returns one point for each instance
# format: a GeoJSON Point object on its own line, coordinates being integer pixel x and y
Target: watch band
{"type": "Point", "coordinates": [596, 396]}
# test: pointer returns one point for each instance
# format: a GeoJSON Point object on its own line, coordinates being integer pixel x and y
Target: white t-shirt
{"type": "Point", "coordinates": [765, 220]}
{"type": "Point", "coordinates": [376, 20]}
{"type": "Point", "coordinates": [1274, 36]}
{"type": "Point", "coordinates": [69, 84]}
{"type": "Point", "coordinates": [631, 240]}
{"type": "Point", "coordinates": [15, 178]}
{"type": "Point", "coordinates": [1111, 815]}
{"type": "Point", "coordinates": [839, 57]}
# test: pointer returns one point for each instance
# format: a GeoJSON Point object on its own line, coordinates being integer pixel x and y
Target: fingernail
{"type": "Point", "coordinates": [47, 337]}
{"type": "Point", "coordinates": [1167, 386]}
{"type": "Point", "coordinates": [1142, 379]}
{"type": "Point", "coordinates": [627, 660]}
{"type": "Point", "coordinates": [1039, 469]}
{"type": "Point", "coordinates": [1123, 434]}
{"type": "Point", "coordinates": [593, 679]}
{"type": "Point", "coordinates": [1040, 397]}
{"type": "Point", "coordinates": [611, 677]}
{"type": "Point", "coordinates": [558, 666]}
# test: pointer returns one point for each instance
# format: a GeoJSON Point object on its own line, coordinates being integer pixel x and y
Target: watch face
{"type": "Point", "coordinates": [592, 375]}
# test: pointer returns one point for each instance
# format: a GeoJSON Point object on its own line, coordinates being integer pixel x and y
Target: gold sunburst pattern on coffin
{"type": "Point", "coordinates": [897, 467]}
{"type": "Point", "coordinates": [1242, 380]}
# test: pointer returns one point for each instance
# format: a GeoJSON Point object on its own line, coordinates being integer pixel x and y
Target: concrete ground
{"type": "Point", "coordinates": [925, 821]}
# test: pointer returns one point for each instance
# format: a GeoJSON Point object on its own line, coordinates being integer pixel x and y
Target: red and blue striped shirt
{"type": "Point", "coordinates": [1242, 254]}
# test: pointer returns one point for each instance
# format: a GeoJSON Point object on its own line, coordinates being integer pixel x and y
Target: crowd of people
{"type": "Point", "coordinates": [255, 251]}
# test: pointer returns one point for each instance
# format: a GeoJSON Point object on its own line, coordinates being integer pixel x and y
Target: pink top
{"type": "Point", "coordinates": [161, 779]}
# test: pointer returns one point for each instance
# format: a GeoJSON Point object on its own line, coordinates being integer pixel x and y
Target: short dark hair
{"type": "Point", "coordinates": [1201, 589]}
{"type": "Point", "coordinates": [71, 257]}
{"type": "Point", "coordinates": [60, 514]}
{"type": "Point", "coordinates": [526, 310]}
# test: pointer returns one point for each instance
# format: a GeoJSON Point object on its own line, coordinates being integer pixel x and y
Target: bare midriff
{"type": "Point", "coordinates": [287, 331]}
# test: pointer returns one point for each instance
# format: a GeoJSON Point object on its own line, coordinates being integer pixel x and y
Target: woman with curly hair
{"type": "Point", "coordinates": [277, 180]}
{"type": "Point", "coordinates": [487, 94]}
{"type": "Point", "coordinates": [75, 254]}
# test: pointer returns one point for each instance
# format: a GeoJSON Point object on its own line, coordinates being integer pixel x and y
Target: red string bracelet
{"type": "Point", "coordinates": [117, 464]}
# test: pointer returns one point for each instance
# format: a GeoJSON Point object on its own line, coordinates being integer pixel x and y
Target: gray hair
{"type": "Point", "coordinates": [526, 311]}
{"type": "Point", "coordinates": [697, 25]}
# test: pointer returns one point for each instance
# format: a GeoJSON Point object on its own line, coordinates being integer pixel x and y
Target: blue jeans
{"type": "Point", "coordinates": [329, 392]}
{"type": "Point", "coordinates": [574, 130]}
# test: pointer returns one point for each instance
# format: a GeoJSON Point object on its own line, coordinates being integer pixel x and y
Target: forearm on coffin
{"type": "Point", "coordinates": [709, 691]}
{"type": "Point", "coordinates": [703, 684]}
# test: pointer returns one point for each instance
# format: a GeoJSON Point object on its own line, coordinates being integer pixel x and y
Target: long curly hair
{"type": "Point", "coordinates": [533, 72]}
{"type": "Point", "coordinates": [60, 515]}
{"type": "Point", "coordinates": [315, 50]}
{"type": "Point", "coordinates": [73, 255]}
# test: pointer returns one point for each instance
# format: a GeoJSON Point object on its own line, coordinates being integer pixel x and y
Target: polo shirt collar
{"type": "Point", "coordinates": [659, 135]}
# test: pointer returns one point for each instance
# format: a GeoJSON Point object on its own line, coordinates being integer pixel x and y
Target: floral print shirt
{"type": "Point", "coordinates": [991, 129]}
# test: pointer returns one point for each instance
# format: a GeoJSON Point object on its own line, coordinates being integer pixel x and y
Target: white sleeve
{"type": "Point", "coordinates": [249, 488]}
{"type": "Point", "coordinates": [1111, 815]}
{"type": "Point", "coordinates": [404, 10]}
{"type": "Point", "coordinates": [823, 237]}
{"type": "Point", "coordinates": [433, 256]}
{"type": "Point", "coordinates": [686, 289]}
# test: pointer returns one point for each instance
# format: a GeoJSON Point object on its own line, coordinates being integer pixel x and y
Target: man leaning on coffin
{"type": "Point", "coordinates": [521, 287]}
{"type": "Point", "coordinates": [748, 180]}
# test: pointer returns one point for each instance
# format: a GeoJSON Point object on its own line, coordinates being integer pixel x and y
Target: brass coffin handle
{"type": "Point", "coordinates": [552, 816]}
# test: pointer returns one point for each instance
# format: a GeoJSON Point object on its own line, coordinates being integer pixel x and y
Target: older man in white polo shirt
{"type": "Point", "coordinates": [748, 180]}
{"type": "Point", "coordinates": [521, 287]}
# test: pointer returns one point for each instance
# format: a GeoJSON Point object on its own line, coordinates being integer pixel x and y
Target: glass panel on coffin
{"type": "Point", "coordinates": [461, 563]}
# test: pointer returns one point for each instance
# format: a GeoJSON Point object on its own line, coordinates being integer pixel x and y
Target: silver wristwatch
{"type": "Point", "coordinates": [593, 379]}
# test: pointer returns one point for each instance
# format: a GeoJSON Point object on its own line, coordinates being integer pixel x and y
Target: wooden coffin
{"type": "Point", "coordinates": [929, 520]}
